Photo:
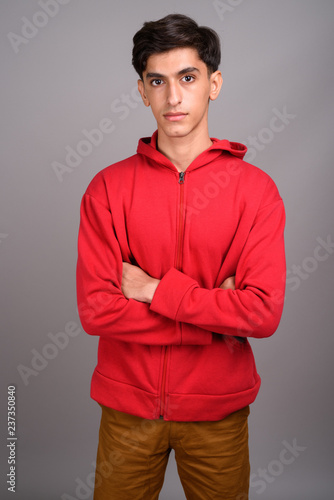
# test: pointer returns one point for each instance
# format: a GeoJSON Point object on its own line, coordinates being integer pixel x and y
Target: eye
{"type": "Point", "coordinates": [188, 78]}
{"type": "Point", "coordinates": [156, 82]}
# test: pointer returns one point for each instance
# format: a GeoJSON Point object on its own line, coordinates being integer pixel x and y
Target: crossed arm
{"type": "Point", "coordinates": [251, 307]}
{"type": "Point", "coordinates": [138, 285]}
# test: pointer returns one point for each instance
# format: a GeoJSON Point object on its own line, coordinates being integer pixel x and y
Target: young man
{"type": "Point", "coordinates": [181, 258]}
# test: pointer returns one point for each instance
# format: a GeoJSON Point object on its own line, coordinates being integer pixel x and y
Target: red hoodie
{"type": "Point", "coordinates": [185, 356]}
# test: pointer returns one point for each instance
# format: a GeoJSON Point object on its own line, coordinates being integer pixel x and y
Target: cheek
{"type": "Point", "coordinates": [200, 94]}
{"type": "Point", "coordinates": [199, 103]}
{"type": "Point", "coordinates": [156, 111]}
{"type": "Point", "coordinates": [156, 103]}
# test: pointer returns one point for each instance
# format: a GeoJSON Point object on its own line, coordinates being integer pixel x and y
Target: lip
{"type": "Point", "coordinates": [175, 117]}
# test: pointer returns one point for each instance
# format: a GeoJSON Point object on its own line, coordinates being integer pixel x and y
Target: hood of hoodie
{"type": "Point", "coordinates": [147, 146]}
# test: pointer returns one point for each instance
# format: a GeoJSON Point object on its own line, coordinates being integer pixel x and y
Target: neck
{"type": "Point", "coordinates": [182, 151]}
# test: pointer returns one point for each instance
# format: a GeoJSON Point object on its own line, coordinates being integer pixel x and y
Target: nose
{"type": "Point", "coordinates": [174, 96]}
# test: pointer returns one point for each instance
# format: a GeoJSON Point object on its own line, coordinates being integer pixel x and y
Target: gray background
{"type": "Point", "coordinates": [67, 78]}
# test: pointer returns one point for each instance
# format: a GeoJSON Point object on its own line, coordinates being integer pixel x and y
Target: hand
{"type": "Point", "coordinates": [228, 284]}
{"type": "Point", "coordinates": [137, 285]}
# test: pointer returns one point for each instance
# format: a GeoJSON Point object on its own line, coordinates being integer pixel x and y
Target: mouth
{"type": "Point", "coordinates": [175, 117]}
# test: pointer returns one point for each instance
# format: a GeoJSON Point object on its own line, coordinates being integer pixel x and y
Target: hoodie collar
{"type": "Point", "coordinates": [147, 146]}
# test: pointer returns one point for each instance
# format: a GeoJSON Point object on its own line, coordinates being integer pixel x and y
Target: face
{"type": "Point", "coordinates": [177, 87]}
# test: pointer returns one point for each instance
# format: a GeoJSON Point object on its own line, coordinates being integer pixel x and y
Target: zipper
{"type": "Point", "coordinates": [178, 259]}
{"type": "Point", "coordinates": [178, 265]}
{"type": "Point", "coordinates": [163, 383]}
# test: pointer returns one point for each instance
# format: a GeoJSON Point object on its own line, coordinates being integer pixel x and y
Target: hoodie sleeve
{"type": "Point", "coordinates": [255, 307]}
{"type": "Point", "coordinates": [103, 309]}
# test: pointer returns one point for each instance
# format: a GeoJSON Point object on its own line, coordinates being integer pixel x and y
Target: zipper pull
{"type": "Point", "coordinates": [181, 177]}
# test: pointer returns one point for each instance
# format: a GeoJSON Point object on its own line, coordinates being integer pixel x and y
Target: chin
{"type": "Point", "coordinates": [176, 131]}
{"type": "Point", "coordinates": [177, 134]}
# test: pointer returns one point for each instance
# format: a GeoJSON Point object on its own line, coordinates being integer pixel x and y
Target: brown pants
{"type": "Point", "coordinates": [212, 457]}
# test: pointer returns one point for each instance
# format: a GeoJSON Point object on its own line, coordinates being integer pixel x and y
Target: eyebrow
{"type": "Point", "coordinates": [191, 69]}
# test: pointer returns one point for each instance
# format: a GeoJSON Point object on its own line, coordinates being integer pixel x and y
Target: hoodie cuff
{"type": "Point", "coordinates": [170, 292]}
{"type": "Point", "coordinates": [167, 301]}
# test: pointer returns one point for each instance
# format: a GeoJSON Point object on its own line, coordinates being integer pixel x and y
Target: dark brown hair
{"type": "Point", "coordinates": [172, 32]}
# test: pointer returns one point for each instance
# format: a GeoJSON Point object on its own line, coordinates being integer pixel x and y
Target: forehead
{"type": "Point", "coordinates": [174, 61]}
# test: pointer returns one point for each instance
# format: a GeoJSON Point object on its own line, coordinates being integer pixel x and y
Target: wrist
{"type": "Point", "coordinates": [150, 289]}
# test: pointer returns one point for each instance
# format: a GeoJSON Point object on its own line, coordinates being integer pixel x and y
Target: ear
{"type": "Point", "coordinates": [216, 82]}
{"type": "Point", "coordinates": [141, 90]}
